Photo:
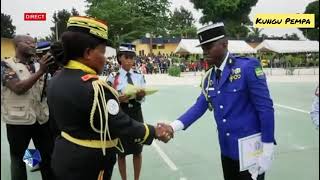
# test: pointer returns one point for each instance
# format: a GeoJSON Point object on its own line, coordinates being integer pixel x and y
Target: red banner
{"type": "Point", "coordinates": [35, 16]}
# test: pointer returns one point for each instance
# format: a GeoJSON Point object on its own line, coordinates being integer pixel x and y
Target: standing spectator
{"type": "Point", "coordinates": [127, 75]}
{"type": "Point", "coordinates": [315, 109]}
{"type": "Point", "coordinates": [149, 67]}
{"type": "Point", "coordinates": [25, 116]}
{"type": "Point", "coordinates": [143, 68]}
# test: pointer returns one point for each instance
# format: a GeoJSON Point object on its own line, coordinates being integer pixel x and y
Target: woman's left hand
{"type": "Point", "coordinates": [140, 95]}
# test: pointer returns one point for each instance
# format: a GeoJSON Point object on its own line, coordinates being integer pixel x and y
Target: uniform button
{"type": "Point", "coordinates": [224, 120]}
{"type": "Point", "coordinates": [228, 134]}
{"type": "Point", "coordinates": [209, 96]}
{"type": "Point", "coordinates": [218, 92]}
{"type": "Point", "coordinates": [234, 90]}
{"type": "Point", "coordinates": [221, 107]}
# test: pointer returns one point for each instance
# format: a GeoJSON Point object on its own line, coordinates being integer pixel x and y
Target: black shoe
{"type": "Point", "coordinates": [36, 168]}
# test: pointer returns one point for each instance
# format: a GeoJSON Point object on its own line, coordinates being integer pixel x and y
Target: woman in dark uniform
{"type": "Point", "coordinates": [86, 109]}
{"type": "Point", "coordinates": [126, 75]}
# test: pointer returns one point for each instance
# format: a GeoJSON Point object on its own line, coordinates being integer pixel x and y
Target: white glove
{"type": "Point", "coordinates": [265, 160]}
{"type": "Point", "coordinates": [254, 171]}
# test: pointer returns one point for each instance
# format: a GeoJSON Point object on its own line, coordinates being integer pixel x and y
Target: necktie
{"type": "Point", "coordinates": [218, 75]}
{"type": "Point", "coordinates": [129, 78]}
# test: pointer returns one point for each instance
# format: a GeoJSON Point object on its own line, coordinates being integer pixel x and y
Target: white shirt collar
{"type": "Point", "coordinates": [223, 64]}
{"type": "Point", "coordinates": [124, 72]}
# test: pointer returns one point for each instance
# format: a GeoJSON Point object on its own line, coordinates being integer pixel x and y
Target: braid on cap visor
{"type": "Point", "coordinates": [95, 27]}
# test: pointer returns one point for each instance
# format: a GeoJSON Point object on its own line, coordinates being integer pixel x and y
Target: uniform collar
{"type": "Point", "coordinates": [122, 71]}
{"type": "Point", "coordinates": [223, 64]}
{"type": "Point", "coordinates": [72, 64]}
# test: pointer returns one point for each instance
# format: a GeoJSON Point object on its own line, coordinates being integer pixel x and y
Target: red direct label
{"type": "Point", "coordinates": [35, 16]}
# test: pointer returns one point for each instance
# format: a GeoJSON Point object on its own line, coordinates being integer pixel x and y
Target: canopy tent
{"type": "Point", "coordinates": [288, 46]}
{"type": "Point", "coordinates": [240, 47]}
{"type": "Point", "coordinates": [110, 52]}
{"type": "Point", "coordinates": [188, 46]}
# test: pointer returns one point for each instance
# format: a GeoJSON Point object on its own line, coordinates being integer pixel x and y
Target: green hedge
{"type": "Point", "coordinates": [174, 71]}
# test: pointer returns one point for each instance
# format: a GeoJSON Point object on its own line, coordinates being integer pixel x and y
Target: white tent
{"type": "Point", "coordinates": [110, 52]}
{"type": "Point", "coordinates": [240, 47]}
{"type": "Point", "coordinates": [188, 46]}
{"type": "Point", "coordinates": [288, 46]}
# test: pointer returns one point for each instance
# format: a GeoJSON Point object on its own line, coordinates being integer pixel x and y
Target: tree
{"type": "Point", "coordinates": [255, 34]}
{"type": "Point", "coordinates": [130, 19]}
{"type": "Point", "coordinates": [293, 36]}
{"type": "Point", "coordinates": [157, 11]}
{"type": "Point", "coordinates": [60, 20]}
{"type": "Point", "coordinates": [234, 14]}
{"type": "Point", "coordinates": [7, 28]}
{"type": "Point", "coordinates": [181, 24]}
{"type": "Point", "coordinates": [312, 33]}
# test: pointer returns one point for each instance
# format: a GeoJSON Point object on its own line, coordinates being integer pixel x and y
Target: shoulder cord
{"type": "Point", "coordinates": [205, 90]}
{"type": "Point", "coordinates": [98, 87]}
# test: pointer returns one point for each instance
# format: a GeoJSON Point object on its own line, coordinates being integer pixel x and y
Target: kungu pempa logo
{"type": "Point", "coordinates": [35, 16]}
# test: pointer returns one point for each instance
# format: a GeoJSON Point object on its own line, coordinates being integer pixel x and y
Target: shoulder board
{"type": "Point", "coordinates": [89, 76]}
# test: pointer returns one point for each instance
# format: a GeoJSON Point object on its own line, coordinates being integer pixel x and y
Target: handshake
{"type": "Point", "coordinates": [164, 132]}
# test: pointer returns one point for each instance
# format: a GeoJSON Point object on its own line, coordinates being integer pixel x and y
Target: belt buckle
{"type": "Point", "coordinates": [130, 106]}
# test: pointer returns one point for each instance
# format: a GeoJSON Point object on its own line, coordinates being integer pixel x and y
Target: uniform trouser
{"type": "Point", "coordinates": [231, 170]}
{"type": "Point", "coordinates": [73, 162]}
{"type": "Point", "coordinates": [19, 137]}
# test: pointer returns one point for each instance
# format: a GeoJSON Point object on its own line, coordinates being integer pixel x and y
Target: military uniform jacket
{"type": "Point", "coordinates": [241, 104]}
{"type": "Point", "coordinates": [70, 100]}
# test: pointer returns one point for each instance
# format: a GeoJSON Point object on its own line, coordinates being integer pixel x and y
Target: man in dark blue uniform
{"type": "Point", "coordinates": [235, 88]}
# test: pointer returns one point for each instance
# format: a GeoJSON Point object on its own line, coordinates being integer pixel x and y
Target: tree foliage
{"type": "Point", "coordinates": [182, 24]}
{"type": "Point", "coordinates": [258, 37]}
{"type": "Point", "coordinates": [7, 28]}
{"type": "Point", "coordinates": [312, 33]}
{"type": "Point", "coordinates": [234, 14]}
{"type": "Point", "coordinates": [130, 19]}
{"type": "Point", "coordinates": [60, 20]}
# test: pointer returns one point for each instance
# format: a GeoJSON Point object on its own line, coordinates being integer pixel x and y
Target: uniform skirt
{"type": "Point", "coordinates": [135, 113]}
{"type": "Point", "coordinates": [73, 162]}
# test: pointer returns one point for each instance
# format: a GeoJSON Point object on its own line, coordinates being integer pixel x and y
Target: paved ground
{"type": "Point", "coordinates": [194, 154]}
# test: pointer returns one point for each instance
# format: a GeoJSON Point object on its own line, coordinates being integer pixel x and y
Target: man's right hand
{"type": "Point", "coordinates": [124, 99]}
{"type": "Point", "coordinates": [45, 61]}
{"type": "Point", "coordinates": [164, 132]}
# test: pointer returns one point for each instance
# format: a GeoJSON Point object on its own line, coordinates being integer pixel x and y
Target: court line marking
{"type": "Point", "coordinates": [292, 108]}
{"type": "Point", "coordinates": [165, 157]}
